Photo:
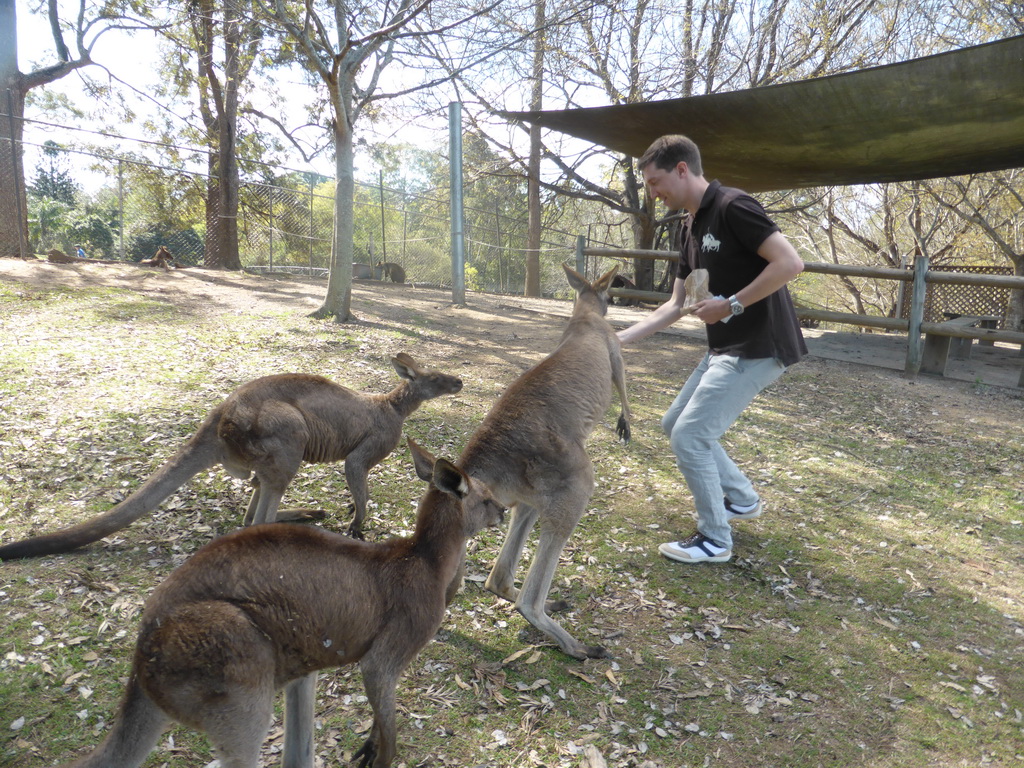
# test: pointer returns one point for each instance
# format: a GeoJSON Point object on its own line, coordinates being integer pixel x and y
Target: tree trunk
{"type": "Point", "coordinates": [227, 199]}
{"type": "Point", "coordinates": [644, 230]}
{"type": "Point", "coordinates": [226, 145]}
{"type": "Point", "coordinates": [13, 211]}
{"type": "Point", "coordinates": [533, 227]}
{"type": "Point", "coordinates": [219, 109]}
{"type": "Point", "coordinates": [338, 301]}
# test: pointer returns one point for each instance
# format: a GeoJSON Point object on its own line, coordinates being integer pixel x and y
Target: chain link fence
{"type": "Point", "coordinates": [122, 206]}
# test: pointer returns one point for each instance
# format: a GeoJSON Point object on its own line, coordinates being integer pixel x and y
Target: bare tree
{"type": "Point", "coordinates": [600, 53]}
{"type": "Point", "coordinates": [533, 164]}
{"type": "Point", "coordinates": [348, 46]}
{"type": "Point", "coordinates": [88, 23]}
{"type": "Point", "coordinates": [219, 88]}
{"type": "Point", "coordinates": [14, 86]}
{"type": "Point", "coordinates": [992, 205]}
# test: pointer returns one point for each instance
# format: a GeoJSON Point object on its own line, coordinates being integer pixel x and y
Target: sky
{"type": "Point", "coordinates": [132, 58]}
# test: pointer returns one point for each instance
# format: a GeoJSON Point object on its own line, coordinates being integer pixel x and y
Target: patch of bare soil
{"type": "Point", "coordinates": [769, 661]}
{"type": "Point", "coordinates": [209, 292]}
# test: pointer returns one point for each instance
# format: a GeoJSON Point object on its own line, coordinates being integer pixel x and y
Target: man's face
{"type": "Point", "coordinates": [668, 186]}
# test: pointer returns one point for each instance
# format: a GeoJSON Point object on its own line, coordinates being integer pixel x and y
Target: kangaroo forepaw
{"type": "Point", "coordinates": [622, 430]}
{"type": "Point", "coordinates": [366, 754]}
{"type": "Point", "coordinates": [356, 532]}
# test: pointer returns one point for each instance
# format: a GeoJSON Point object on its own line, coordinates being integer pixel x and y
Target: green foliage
{"type": "Point", "coordinates": [93, 233]}
{"type": "Point", "coordinates": [53, 179]}
{"type": "Point", "coordinates": [185, 244]}
{"type": "Point", "coordinates": [47, 221]}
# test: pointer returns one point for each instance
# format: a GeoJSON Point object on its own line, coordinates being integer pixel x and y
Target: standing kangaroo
{"type": "Point", "coordinates": [267, 428]}
{"type": "Point", "coordinates": [530, 451]}
{"type": "Point", "coordinates": [266, 605]}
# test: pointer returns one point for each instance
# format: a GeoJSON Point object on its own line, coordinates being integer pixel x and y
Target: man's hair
{"type": "Point", "coordinates": [668, 151]}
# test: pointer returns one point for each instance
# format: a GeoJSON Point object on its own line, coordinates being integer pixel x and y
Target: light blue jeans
{"type": "Point", "coordinates": [711, 400]}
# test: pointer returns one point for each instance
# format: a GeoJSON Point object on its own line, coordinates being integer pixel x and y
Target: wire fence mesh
{"type": "Point", "coordinates": [120, 205]}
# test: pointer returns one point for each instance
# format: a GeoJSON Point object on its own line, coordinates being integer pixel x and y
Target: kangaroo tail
{"type": "Point", "coordinates": [135, 732]}
{"type": "Point", "coordinates": [199, 453]}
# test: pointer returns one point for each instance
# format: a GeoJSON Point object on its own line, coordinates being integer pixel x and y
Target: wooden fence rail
{"type": "Point", "coordinates": [919, 277]}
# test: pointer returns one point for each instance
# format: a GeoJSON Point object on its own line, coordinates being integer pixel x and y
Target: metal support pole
{"type": "Point", "coordinates": [458, 232]}
{"type": "Point", "coordinates": [120, 208]}
{"type": "Point", "coordinates": [581, 258]}
{"type": "Point", "coordinates": [311, 233]}
{"type": "Point", "coordinates": [270, 230]}
{"type": "Point", "coordinates": [383, 232]}
{"type": "Point", "coordinates": [917, 297]}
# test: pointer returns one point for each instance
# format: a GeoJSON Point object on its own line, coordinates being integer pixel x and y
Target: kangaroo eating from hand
{"type": "Point", "coordinates": [530, 451]}
{"type": "Point", "coordinates": [266, 605]}
{"type": "Point", "coordinates": [267, 428]}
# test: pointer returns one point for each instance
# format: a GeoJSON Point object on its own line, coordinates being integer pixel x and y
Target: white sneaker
{"type": "Point", "coordinates": [736, 512]}
{"type": "Point", "coordinates": [696, 549]}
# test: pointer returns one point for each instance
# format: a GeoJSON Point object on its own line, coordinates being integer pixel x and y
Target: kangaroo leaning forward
{"type": "Point", "coordinates": [263, 606]}
{"type": "Point", "coordinates": [267, 428]}
{"type": "Point", "coordinates": [530, 451]}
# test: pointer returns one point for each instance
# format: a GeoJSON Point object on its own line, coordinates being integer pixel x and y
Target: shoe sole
{"type": "Point", "coordinates": [745, 515]}
{"type": "Point", "coordinates": [751, 515]}
{"type": "Point", "coordinates": [667, 552]}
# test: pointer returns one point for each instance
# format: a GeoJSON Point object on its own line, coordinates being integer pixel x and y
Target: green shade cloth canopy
{"type": "Point", "coordinates": [950, 114]}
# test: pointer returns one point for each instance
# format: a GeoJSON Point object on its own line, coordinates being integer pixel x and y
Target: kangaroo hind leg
{"type": "Point", "coordinates": [556, 527]}
{"type": "Point", "coordinates": [269, 487]}
{"type": "Point", "coordinates": [237, 735]}
{"type": "Point", "coordinates": [380, 676]}
{"type": "Point", "coordinates": [502, 578]}
{"type": "Point", "coordinates": [213, 670]}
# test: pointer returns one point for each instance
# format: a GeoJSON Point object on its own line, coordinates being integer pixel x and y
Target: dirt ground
{"type": "Point", "coordinates": [969, 429]}
{"type": "Point", "coordinates": [878, 357]}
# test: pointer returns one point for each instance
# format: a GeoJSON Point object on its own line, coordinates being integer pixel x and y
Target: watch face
{"type": "Point", "coordinates": [736, 307]}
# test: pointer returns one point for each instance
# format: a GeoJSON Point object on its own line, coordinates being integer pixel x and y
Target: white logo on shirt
{"type": "Point", "coordinates": [709, 243]}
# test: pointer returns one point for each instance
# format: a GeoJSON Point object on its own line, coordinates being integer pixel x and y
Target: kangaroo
{"type": "Point", "coordinates": [530, 451]}
{"type": "Point", "coordinates": [266, 605]}
{"type": "Point", "coordinates": [267, 428]}
{"type": "Point", "coordinates": [162, 258]}
{"type": "Point", "coordinates": [391, 271]}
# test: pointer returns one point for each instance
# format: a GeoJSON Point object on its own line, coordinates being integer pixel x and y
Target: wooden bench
{"type": "Point", "coordinates": [940, 346]}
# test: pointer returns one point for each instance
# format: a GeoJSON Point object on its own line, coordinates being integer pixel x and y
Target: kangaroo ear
{"type": "Point", "coordinates": [422, 460]}
{"type": "Point", "coordinates": [450, 479]}
{"type": "Point", "coordinates": [576, 281]}
{"type": "Point", "coordinates": [604, 282]}
{"type": "Point", "coordinates": [405, 366]}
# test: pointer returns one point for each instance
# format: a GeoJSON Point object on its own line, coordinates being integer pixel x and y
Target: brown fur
{"type": "Point", "coordinates": [389, 270]}
{"type": "Point", "coordinates": [162, 258]}
{"type": "Point", "coordinates": [268, 428]}
{"type": "Point", "coordinates": [262, 607]}
{"type": "Point", "coordinates": [58, 256]}
{"type": "Point", "coordinates": [530, 450]}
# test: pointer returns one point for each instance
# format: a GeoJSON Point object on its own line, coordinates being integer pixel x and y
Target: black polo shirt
{"type": "Point", "coordinates": [723, 237]}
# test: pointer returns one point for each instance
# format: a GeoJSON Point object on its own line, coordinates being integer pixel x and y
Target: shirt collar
{"type": "Point", "coordinates": [709, 194]}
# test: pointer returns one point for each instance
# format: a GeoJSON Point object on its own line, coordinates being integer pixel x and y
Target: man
{"type": "Point", "coordinates": [753, 335]}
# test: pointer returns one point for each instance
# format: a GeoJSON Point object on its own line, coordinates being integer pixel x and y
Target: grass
{"type": "Point", "coordinates": [873, 616]}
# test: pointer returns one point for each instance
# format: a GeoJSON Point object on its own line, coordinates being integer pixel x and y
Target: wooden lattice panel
{"type": "Point", "coordinates": [943, 300]}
